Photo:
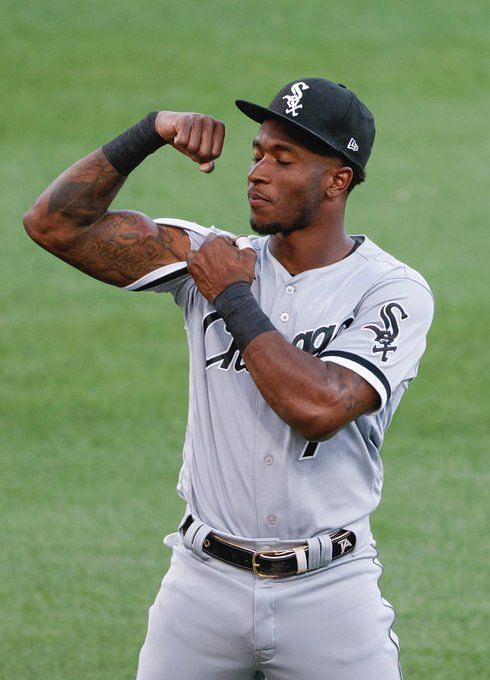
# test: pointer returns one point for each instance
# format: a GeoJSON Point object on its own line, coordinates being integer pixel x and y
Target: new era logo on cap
{"type": "Point", "coordinates": [353, 145]}
{"type": "Point", "coordinates": [293, 99]}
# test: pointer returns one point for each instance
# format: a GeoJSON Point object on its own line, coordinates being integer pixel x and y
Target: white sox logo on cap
{"type": "Point", "coordinates": [293, 99]}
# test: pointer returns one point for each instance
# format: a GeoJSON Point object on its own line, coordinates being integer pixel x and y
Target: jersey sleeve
{"type": "Point", "coordinates": [387, 336]}
{"type": "Point", "coordinates": [175, 278]}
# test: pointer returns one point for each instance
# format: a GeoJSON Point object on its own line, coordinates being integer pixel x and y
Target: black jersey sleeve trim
{"type": "Point", "coordinates": [162, 279]}
{"type": "Point", "coordinates": [158, 277]}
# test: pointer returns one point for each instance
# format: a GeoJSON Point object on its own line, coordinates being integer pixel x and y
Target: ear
{"type": "Point", "coordinates": [338, 180]}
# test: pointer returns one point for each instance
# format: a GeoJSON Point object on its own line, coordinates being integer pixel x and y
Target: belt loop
{"type": "Point", "coordinates": [301, 559]}
{"type": "Point", "coordinates": [195, 536]}
{"type": "Point", "coordinates": [319, 551]}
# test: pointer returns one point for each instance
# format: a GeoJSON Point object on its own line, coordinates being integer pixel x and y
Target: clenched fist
{"type": "Point", "coordinates": [194, 134]}
{"type": "Point", "coordinates": [218, 263]}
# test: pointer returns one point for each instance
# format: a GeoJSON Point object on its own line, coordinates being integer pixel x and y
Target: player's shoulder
{"type": "Point", "coordinates": [188, 225]}
{"type": "Point", "coordinates": [388, 267]}
{"type": "Point", "coordinates": [198, 232]}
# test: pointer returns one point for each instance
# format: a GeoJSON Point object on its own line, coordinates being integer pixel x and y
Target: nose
{"type": "Point", "coordinates": [258, 172]}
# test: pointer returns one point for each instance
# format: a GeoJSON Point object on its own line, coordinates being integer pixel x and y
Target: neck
{"type": "Point", "coordinates": [318, 245]}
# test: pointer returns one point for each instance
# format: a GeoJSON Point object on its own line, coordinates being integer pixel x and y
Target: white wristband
{"type": "Point", "coordinates": [243, 242]}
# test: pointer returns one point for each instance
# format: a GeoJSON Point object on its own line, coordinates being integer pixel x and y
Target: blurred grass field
{"type": "Point", "coordinates": [94, 391]}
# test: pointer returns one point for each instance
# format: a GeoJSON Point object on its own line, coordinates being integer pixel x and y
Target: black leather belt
{"type": "Point", "coordinates": [269, 563]}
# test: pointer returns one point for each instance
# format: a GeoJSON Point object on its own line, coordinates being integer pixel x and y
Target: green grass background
{"type": "Point", "coordinates": [93, 383]}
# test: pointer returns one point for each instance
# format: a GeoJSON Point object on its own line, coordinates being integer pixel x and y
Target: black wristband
{"type": "Point", "coordinates": [131, 148]}
{"type": "Point", "coordinates": [241, 313]}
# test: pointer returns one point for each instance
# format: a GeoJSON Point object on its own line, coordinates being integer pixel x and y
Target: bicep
{"type": "Point", "coordinates": [122, 246]}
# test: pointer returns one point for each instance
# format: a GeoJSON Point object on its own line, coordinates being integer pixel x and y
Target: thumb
{"type": "Point", "coordinates": [207, 167]}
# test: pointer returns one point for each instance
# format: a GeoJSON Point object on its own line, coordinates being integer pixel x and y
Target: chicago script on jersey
{"type": "Point", "coordinates": [313, 341]}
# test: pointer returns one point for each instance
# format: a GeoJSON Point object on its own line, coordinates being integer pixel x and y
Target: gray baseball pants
{"type": "Point", "coordinates": [213, 621]}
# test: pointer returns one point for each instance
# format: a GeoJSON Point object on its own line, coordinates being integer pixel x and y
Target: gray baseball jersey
{"type": "Point", "coordinates": [245, 471]}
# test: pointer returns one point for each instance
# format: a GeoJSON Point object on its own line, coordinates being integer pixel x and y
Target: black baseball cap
{"type": "Point", "coordinates": [328, 112]}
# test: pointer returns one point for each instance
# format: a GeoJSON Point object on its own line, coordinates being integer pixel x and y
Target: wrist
{"type": "Point", "coordinates": [242, 314]}
{"type": "Point", "coordinates": [129, 149]}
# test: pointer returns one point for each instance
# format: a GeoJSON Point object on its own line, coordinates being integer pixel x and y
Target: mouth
{"type": "Point", "coordinates": [256, 199]}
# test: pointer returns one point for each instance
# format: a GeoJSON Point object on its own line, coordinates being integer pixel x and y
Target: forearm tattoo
{"type": "Point", "coordinates": [85, 191]}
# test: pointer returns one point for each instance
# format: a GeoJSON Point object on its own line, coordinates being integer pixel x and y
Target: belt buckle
{"type": "Point", "coordinates": [275, 553]}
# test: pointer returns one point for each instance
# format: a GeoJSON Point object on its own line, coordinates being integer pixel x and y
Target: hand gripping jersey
{"type": "Point", "coordinates": [245, 471]}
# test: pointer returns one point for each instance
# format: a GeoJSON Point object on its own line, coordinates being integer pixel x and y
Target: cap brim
{"type": "Point", "coordinates": [256, 112]}
{"type": "Point", "coordinates": [260, 113]}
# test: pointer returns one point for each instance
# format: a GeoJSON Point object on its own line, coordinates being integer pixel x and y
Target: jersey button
{"type": "Point", "coordinates": [271, 519]}
{"type": "Point", "coordinates": [284, 316]}
{"type": "Point", "coordinates": [268, 460]}
{"type": "Point", "coordinates": [290, 290]}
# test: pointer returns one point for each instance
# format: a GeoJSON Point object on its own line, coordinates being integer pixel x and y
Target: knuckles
{"type": "Point", "coordinates": [196, 135]}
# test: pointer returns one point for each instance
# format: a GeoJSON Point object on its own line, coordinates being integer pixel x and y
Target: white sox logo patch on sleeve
{"type": "Point", "coordinates": [385, 335]}
{"type": "Point", "coordinates": [293, 99]}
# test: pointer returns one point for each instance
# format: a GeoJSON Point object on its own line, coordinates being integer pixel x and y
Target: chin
{"type": "Point", "coordinates": [271, 228]}
{"type": "Point", "coordinates": [267, 228]}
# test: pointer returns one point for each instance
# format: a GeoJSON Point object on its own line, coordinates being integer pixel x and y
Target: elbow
{"type": "Point", "coordinates": [317, 425]}
{"type": "Point", "coordinates": [318, 434]}
{"type": "Point", "coordinates": [35, 227]}
{"type": "Point", "coordinates": [31, 223]}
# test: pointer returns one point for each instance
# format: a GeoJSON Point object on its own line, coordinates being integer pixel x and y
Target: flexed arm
{"type": "Point", "coordinates": [71, 218]}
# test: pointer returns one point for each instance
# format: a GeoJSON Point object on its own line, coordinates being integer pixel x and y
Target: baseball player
{"type": "Point", "coordinates": [302, 341]}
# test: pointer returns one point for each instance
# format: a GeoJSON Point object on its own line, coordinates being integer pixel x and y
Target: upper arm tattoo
{"type": "Point", "coordinates": [353, 394]}
{"type": "Point", "coordinates": [83, 193]}
{"type": "Point", "coordinates": [122, 246]}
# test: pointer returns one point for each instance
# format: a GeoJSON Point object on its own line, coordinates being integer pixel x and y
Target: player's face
{"type": "Point", "coordinates": [285, 182]}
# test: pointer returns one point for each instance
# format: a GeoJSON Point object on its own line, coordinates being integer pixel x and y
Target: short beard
{"type": "Point", "coordinates": [280, 227]}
